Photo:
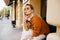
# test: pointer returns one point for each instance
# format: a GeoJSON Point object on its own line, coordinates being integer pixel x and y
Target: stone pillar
{"type": "Point", "coordinates": [53, 18]}
{"type": "Point", "coordinates": [13, 14]}
{"type": "Point", "coordinates": [18, 23]}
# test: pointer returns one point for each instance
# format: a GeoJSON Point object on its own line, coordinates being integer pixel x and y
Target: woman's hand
{"type": "Point", "coordinates": [25, 19]}
{"type": "Point", "coordinates": [25, 23]}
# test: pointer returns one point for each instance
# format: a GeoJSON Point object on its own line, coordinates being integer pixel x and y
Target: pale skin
{"type": "Point", "coordinates": [28, 11]}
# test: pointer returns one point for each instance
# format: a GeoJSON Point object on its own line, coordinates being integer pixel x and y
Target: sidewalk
{"type": "Point", "coordinates": [7, 32]}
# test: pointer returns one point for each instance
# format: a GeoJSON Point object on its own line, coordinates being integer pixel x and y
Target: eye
{"type": "Point", "coordinates": [27, 8]}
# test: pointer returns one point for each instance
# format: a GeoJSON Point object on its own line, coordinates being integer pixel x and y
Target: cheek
{"type": "Point", "coordinates": [29, 11]}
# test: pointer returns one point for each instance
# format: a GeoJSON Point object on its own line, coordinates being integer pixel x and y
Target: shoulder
{"type": "Point", "coordinates": [36, 17]}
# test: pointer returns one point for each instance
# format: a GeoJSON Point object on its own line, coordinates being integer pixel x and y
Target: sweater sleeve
{"type": "Point", "coordinates": [36, 27]}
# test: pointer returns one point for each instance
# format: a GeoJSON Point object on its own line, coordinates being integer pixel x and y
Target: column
{"type": "Point", "coordinates": [13, 14]}
{"type": "Point", "coordinates": [18, 23]}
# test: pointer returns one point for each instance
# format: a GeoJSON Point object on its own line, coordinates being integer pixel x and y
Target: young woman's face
{"type": "Point", "coordinates": [27, 10]}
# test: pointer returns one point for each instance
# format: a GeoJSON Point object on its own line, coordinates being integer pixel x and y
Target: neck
{"type": "Point", "coordinates": [30, 14]}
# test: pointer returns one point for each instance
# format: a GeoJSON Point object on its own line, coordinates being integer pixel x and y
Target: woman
{"type": "Point", "coordinates": [35, 27]}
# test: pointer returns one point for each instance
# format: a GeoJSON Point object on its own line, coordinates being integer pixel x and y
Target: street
{"type": "Point", "coordinates": [7, 32]}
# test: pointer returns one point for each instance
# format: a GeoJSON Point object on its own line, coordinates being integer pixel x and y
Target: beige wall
{"type": "Point", "coordinates": [53, 12]}
{"type": "Point", "coordinates": [37, 5]}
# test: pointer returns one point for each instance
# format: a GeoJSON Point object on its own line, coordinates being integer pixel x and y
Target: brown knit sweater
{"type": "Point", "coordinates": [38, 26]}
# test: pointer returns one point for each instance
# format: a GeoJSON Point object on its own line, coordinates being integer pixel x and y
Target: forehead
{"type": "Point", "coordinates": [27, 6]}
